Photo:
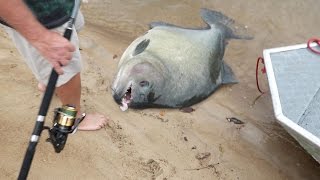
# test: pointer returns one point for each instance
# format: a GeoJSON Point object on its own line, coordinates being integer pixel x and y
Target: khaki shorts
{"type": "Point", "coordinates": [40, 67]}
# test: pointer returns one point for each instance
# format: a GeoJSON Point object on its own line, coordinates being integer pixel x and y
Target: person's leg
{"type": "Point", "coordinates": [70, 93]}
{"type": "Point", "coordinates": [69, 84]}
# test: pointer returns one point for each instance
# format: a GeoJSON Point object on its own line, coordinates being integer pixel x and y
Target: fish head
{"type": "Point", "coordinates": [138, 84]}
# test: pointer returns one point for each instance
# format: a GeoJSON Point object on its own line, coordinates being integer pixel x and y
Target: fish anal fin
{"type": "Point", "coordinates": [228, 76]}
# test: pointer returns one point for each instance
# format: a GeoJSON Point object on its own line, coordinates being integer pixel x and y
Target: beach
{"type": "Point", "coordinates": [162, 143]}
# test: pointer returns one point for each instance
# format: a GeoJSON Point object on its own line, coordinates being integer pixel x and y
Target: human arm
{"type": "Point", "coordinates": [55, 48]}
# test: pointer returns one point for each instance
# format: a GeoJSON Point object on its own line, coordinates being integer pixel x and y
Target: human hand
{"type": "Point", "coordinates": [55, 48]}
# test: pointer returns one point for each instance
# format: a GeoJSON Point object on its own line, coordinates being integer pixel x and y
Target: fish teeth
{"type": "Point", "coordinates": [124, 104]}
{"type": "Point", "coordinates": [124, 107]}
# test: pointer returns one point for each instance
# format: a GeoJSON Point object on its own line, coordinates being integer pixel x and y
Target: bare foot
{"type": "Point", "coordinates": [93, 122]}
{"type": "Point", "coordinates": [41, 87]}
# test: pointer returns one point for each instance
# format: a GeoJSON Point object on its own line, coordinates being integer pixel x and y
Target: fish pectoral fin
{"type": "Point", "coordinates": [141, 47]}
{"type": "Point", "coordinates": [228, 76]}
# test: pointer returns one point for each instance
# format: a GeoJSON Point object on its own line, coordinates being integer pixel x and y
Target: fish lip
{"type": "Point", "coordinates": [126, 99]}
{"type": "Point", "coordinates": [119, 96]}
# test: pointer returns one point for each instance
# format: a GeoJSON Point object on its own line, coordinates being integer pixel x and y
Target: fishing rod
{"type": "Point", "coordinates": [64, 121]}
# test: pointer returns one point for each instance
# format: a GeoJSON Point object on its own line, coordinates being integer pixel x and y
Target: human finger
{"type": "Point", "coordinates": [63, 42]}
{"type": "Point", "coordinates": [64, 62]}
{"type": "Point", "coordinates": [57, 67]}
{"type": "Point", "coordinates": [70, 47]}
{"type": "Point", "coordinates": [65, 59]}
{"type": "Point", "coordinates": [69, 55]}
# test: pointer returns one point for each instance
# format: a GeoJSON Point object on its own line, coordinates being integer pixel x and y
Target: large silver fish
{"type": "Point", "coordinates": [171, 66]}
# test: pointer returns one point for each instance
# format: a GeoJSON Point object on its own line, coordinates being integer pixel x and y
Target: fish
{"type": "Point", "coordinates": [172, 67]}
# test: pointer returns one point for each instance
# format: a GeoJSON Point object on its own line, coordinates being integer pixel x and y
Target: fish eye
{"type": "Point", "coordinates": [144, 83]}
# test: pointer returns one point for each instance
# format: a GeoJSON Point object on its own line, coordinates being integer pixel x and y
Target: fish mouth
{"type": "Point", "coordinates": [126, 99]}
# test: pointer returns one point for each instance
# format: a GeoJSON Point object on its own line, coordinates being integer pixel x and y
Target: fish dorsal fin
{"type": "Point", "coordinates": [141, 47]}
{"type": "Point", "coordinates": [164, 24]}
{"type": "Point", "coordinates": [160, 23]}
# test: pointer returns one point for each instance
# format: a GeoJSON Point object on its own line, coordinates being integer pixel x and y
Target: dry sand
{"type": "Point", "coordinates": [158, 143]}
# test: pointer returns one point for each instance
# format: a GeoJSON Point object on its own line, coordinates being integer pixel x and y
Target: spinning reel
{"type": "Point", "coordinates": [64, 123]}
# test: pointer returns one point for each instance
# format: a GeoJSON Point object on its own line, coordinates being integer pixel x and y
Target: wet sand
{"type": "Point", "coordinates": [163, 143]}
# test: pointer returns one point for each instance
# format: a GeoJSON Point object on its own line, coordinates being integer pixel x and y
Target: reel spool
{"type": "Point", "coordinates": [64, 118]}
{"type": "Point", "coordinates": [64, 122]}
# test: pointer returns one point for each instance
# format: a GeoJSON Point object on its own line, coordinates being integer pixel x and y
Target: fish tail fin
{"type": "Point", "coordinates": [228, 76]}
{"type": "Point", "coordinates": [227, 25]}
